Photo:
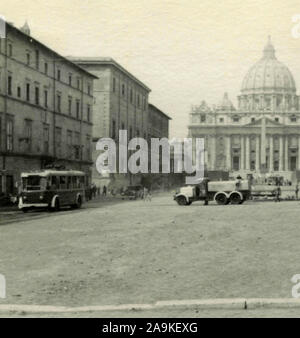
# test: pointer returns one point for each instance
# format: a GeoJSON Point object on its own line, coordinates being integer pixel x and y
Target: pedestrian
{"type": "Point", "coordinates": [145, 192]}
{"type": "Point", "coordinates": [104, 190]}
{"type": "Point", "coordinates": [277, 194]}
{"type": "Point", "coordinates": [297, 191]}
{"type": "Point", "coordinates": [149, 196]}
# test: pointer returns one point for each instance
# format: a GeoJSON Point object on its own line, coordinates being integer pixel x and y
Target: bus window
{"type": "Point", "coordinates": [81, 181]}
{"type": "Point", "coordinates": [54, 183]}
{"type": "Point", "coordinates": [69, 185]}
{"type": "Point", "coordinates": [74, 182]}
{"type": "Point", "coordinates": [62, 182]}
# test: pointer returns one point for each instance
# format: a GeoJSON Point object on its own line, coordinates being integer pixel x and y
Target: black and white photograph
{"type": "Point", "coordinates": [149, 161]}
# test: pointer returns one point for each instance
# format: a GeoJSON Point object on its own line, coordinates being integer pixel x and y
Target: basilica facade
{"type": "Point", "coordinates": [263, 134]}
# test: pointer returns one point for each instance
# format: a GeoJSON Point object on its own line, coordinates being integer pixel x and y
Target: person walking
{"type": "Point", "coordinates": [145, 192]}
{"type": "Point", "coordinates": [104, 190]}
{"type": "Point", "coordinates": [277, 194]}
{"type": "Point", "coordinates": [297, 191]}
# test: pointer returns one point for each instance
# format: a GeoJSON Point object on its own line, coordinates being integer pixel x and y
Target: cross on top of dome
{"type": "Point", "coordinates": [269, 50]}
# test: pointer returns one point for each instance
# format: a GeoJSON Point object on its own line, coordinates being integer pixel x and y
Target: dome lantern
{"type": "Point", "coordinates": [269, 50]}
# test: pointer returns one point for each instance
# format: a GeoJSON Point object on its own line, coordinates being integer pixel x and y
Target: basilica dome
{"type": "Point", "coordinates": [268, 75]}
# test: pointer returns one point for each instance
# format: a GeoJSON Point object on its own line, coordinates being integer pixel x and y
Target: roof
{"type": "Point", "coordinates": [57, 56]}
{"type": "Point", "coordinates": [152, 106]}
{"type": "Point", "coordinates": [93, 60]}
{"type": "Point", "coordinates": [45, 173]}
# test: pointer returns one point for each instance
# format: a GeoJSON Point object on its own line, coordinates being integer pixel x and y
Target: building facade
{"type": "Point", "coordinates": [158, 126]}
{"type": "Point", "coordinates": [263, 134]}
{"type": "Point", "coordinates": [121, 103]}
{"type": "Point", "coordinates": [46, 109]}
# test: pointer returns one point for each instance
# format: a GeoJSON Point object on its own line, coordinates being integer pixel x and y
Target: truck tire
{"type": "Point", "coordinates": [221, 198]}
{"type": "Point", "coordinates": [236, 198]}
{"type": "Point", "coordinates": [181, 200]}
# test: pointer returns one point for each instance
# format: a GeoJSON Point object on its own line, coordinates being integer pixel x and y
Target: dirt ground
{"type": "Point", "coordinates": [142, 252]}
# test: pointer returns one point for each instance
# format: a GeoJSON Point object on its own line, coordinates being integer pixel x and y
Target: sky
{"type": "Point", "coordinates": [185, 51]}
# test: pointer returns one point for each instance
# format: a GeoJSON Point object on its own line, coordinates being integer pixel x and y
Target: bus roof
{"type": "Point", "coordinates": [46, 173]}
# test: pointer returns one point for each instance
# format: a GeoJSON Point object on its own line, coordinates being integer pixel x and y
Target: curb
{"type": "Point", "coordinates": [231, 303]}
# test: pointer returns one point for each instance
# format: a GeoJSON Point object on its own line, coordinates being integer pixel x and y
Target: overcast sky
{"type": "Point", "coordinates": [185, 51]}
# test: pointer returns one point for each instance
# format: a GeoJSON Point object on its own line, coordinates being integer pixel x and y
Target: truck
{"type": "Point", "coordinates": [222, 192]}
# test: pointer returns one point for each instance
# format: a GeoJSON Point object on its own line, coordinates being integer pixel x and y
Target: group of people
{"type": "Point", "coordinates": [93, 191]}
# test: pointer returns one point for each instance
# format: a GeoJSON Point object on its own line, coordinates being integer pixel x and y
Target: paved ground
{"type": "Point", "coordinates": [137, 252]}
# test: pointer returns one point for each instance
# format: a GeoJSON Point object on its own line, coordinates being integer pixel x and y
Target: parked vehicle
{"type": "Point", "coordinates": [222, 192]}
{"type": "Point", "coordinates": [133, 192]}
{"type": "Point", "coordinates": [52, 189]}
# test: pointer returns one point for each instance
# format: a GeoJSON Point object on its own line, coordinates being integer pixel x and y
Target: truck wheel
{"type": "Point", "coordinates": [235, 198]}
{"type": "Point", "coordinates": [181, 200]}
{"type": "Point", "coordinates": [221, 198]}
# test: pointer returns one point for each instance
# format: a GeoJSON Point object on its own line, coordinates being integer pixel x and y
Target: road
{"type": "Point", "coordinates": [141, 252]}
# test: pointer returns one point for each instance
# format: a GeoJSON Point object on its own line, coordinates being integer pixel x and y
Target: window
{"type": "Point", "coordinates": [89, 89]}
{"type": "Point", "coordinates": [62, 182]}
{"type": "Point", "coordinates": [130, 133]}
{"type": "Point", "coordinates": [138, 133]}
{"type": "Point", "coordinates": [28, 134]}
{"type": "Point", "coordinates": [37, 59]}
{"type": "Point", "coordinates": [58, 74]}
{"type": "Point", "coordinates": [19, 91]}
{"type": "Point", "coordinates": [46, 138]}
{"type": "Point", "coordinates": [77, 145]}
{"type": "Point", "coordinates": [69, 144]}
{"type": "Point", "coordinates": [276, 119]}
{"type": "Point", "coordinates": [88, 113]}
{"type": "Point", "coordinates": [28, 59]}
{"type": "Point", "coordinates": [221, 120]}
{"type": "Point", "coordinates": [293, 119]}
{"type": "Point", "coordinates": [88, 147]}
{"type": "Point", "coordinates": [113, 130]}
{"type": "Point", "coordinates": [131, 95]}
{"type": "Point", "coordinates": [46, 68]}
{"type": "Point", "coordinates": [78, 109]}
{"type": "Point", "coordinates": [78, 83]}
{"type": "Point", "coordinates": [37, 95]}
{"type": "Point", "coordinates": [46, 98]}
{"type": "Point", "coordinates": [58, 103]}
{"type": "Point", "coordinates": [70, 79]}
{"type": "Point", "coordinates": [202, 118]}
{"type": "Point", "coordinates": [28, 92]}
{"type": "Point", "coordinates": [9, 85]}
{"type": "Point", "coordinates": [236, 119]}
{"type": "Point", "coordinates": [58, 141]}
{"type": "Point", "coordinates": [253, 119]}
{"type": "Point", "coordinates": [138, 100]}
{"type": "Point", "coordinates": [123, 89]}
{"type": "Point", "coordinates": [9, 134]}
{"type": "Point", "coordinates": [114, 85]}
{"type": "Point", "coordinates": [70, 105]}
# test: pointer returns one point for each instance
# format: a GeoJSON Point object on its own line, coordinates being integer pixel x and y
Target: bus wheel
{"type": "Point", "coordinates": [56, 205]}
{"type": "Point", "coordinates": [181, 200]}
{"type": "Point", "coordinates": [221, 198]}
{"type": "Point", "coordinates": [235, 198]}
